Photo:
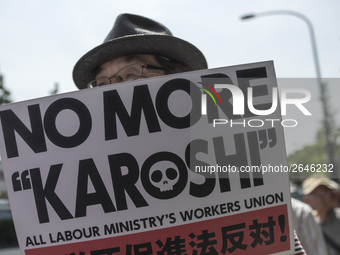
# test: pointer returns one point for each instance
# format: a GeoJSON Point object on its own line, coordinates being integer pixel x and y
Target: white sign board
{"type": "Point", "coordinates": [155, 166]}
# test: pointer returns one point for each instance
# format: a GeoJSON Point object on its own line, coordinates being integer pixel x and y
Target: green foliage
{"type": "Point", "coordinates": [7, 234]}
{"type": "Point", "coordinates": [318, 152]}
{"type": "Point", "coordinates": [55, 90]}
{"type": "Point", "coordinates": [311, 154]}
{"type": "Point", "coordinates": [4, 93]}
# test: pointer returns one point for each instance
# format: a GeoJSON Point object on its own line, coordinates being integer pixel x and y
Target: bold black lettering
{"type": "Point", "coordinates": [41, 194]}
{"type": "Point", "coordinates": [26, 183]}
{"type": "Point", "coordinates": [125, 183]}
{"type": "Point", "coordinates": [16, 182]}
{"type": "Point", "coordinates": [35, 139]}
{"type": "Point", "coordinates": [238, 159]}
{"type": "Point", "coordinates": [204, 189]}
{"type": "Point", "coordinates": [243, 78]}
{"type": "Point", "coordinates": [29, 241]}
{"type": "Point", "coordinates": [88, 171]}
{"type": "Point", "coordinates": [255, 156]}
{"type": "Point", "coordinates": [108, 251]}
{"type": "Point", "coordinates": [141, 101]}
{"type": "Point", "coordinates": [162, 105]}
{"type": "Point", "coordinates": [85, 122]}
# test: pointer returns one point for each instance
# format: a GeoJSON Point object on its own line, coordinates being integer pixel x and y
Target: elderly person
{"type": "Point", "coordinates": [308, 229]}
{"type": "Point", "coordinates": [321, 193]}
{"type": "Point", "coordinates": [137, 48]}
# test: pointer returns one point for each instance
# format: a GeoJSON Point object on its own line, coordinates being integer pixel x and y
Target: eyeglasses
{"type": "Point", "coordinates": [129, 73]}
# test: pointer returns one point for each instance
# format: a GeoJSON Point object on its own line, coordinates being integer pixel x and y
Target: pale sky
{"type": "Point", "coordinates": [42, 40]}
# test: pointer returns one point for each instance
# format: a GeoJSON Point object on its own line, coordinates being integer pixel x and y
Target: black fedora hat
{"type": "Point", "coordinates": [133, 34]}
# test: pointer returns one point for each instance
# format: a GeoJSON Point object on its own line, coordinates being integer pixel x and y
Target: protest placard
{"type": "Point", "coordinates": [190, 163]}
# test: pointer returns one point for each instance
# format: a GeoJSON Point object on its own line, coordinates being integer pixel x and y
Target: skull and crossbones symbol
{"type": "Point", "coordinates": [164, 175]}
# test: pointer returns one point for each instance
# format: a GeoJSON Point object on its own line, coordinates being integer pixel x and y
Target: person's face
{"type": "Point", "coordinates": [321, 199]}
{"type": "Point", "coordinates": [113, 67]}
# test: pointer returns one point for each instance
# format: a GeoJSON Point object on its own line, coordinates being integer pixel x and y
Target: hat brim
{"type": "Point", "coordinates": [314, 181]}
{"type": "Point", "coordinates": [163, 45]}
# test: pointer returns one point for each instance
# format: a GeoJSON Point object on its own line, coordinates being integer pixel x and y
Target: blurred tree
{"type": "Point", "coordinates": [331, 132]}
{"type": "Point", "coordinates": [55, 90]}
{"type": "Point", "coordinates": [4, 93]}
{"type": "Point", "coordinates": [324, 150]}
{"type": "Point", "coordinates": [4, 99]}
{"type": "Point", "coordinates": [313, 154]}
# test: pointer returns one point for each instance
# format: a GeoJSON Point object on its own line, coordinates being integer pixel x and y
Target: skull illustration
{"type": "Point", "coordinates": [164, 175]}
